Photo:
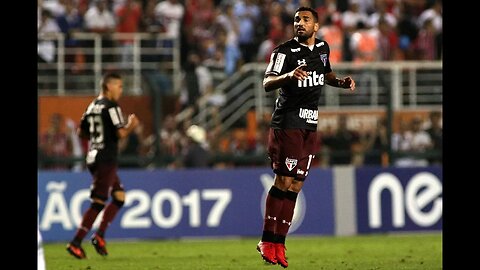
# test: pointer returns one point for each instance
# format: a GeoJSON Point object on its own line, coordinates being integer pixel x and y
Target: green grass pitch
{"type": "Point", "coordinates": [369, 252]}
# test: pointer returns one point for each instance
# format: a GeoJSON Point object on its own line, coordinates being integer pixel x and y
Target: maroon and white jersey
{"type": "Point", "coordinates": [100, 121]}
{"type": "Point", "coordinates": [297, 103]}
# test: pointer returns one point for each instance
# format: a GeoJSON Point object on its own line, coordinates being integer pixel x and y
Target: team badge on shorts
{"type": "Point", "coordinates": [291, 163]}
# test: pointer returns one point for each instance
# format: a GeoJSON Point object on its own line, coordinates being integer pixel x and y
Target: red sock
{"type": "Point", "coordinates": [109, 214]}
{"type": "Point", "coordinates": [273, 206]}
{"type": "Point", "coordinates": [87, 221]}
{"type": "Point", "coordinates": [285, 217]}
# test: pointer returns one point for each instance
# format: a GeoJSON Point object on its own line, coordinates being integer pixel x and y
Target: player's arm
{"type": "Point", "coordinates": [82, 134]}
{"type": "Point", "coordinates": [132, 123]}
{"type": "Point", "coordinates": [272, 82]}
{"type": "Point", "coordinates": [82, 129]}
{"type": "Point", "coordinates": [332, 80]}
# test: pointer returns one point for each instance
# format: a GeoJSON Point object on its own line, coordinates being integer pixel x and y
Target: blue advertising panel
{"type": "Point", "coordinates": [182, 203]}
{"type": "Point", "coordinates": [399, 199]}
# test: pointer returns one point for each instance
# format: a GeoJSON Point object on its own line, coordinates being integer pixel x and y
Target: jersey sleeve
{"type": "Point", "coordinates": [278, 62]}
{"type": "Point", "coordinates": [84, 125]}
{"type": "Point", "coordinates": [116, 116]}
{"type": "Point", "coordinates": [328, 68]}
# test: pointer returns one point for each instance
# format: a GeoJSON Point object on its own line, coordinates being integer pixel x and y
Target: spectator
{"type": "Point", "coordinates": [99, 19]}
{"type": "Point", "coordinates": [364, 44]}
{"type": "Point", "coordinates": [247, 14]}
{"type": "Point", "coordinates": [411, 143]}
{"type": "Point", "coordinates": [47, 29]}
{"type": "Point", "coordinates": [333, 34]}
{"type": "Point", "coordinates": [196, 154]}
{"type": "Point", "coordinates": [170, 14]}
{"type": "Point", "coordinates": [435, 131]}
{"type": "Point", "coordinates": [343, 143]}
{"type": "Point", "coordinates": [77, 149]}
{"type": "Point", "coordinates": [132, 147]}
{"type": "Point", "coordinates": [433, 13]}
{"type": "Point", "coordinates": [55, 144]}
{"type": "Point", "coordinates": [376, 144]}
{"type": "Point", "coordinates": [71, 22]}
{"type": "Point", "coordinates": [170, 141]}
{"type": "Point", "coordinates": [128, 15]}
{"type": "Point", "coordinates": [425, 44]}
{"type": "Point", "coordinates": [388, 43]}
{"type": "Point", "coordinates": [381, 12]}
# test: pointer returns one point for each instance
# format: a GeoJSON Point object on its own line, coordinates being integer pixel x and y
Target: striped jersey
{"type": "Point", "coordinates": [297, 102]}
{"type": "Point", "coordinates": [100, 121]}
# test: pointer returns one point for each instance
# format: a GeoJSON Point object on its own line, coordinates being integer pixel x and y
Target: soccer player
{"type": "Point", "coordinates": [103, 125]}
{"type": "Point", "coordinates": [299, 67]}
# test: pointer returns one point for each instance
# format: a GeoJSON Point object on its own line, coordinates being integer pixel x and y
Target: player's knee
{"type": "Point", "coordinates": [296, 186]}
{"type": "Point", "coordinates": [118, 203]}
{"type": "Point", "coordinates": [97, 206]}
{"type": "Point", "coordinates": [283, 182]}
{"type": "Point", "coordinates": [118, 195]}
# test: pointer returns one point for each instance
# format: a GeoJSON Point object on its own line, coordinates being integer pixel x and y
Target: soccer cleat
{"type": "Point", "coordinates": [76, 251]}
{"type": "Point", "coordinates": [280, 254]}
{"type": "Point", "coordinates": [267, 250]}
{"type": "Point", "coordinates": [99, 244]}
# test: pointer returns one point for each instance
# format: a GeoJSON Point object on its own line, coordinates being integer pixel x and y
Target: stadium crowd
{"type": "Point", "coordinates": [230, 33]}
{"type": "Point", "coordinates": [221, 36]}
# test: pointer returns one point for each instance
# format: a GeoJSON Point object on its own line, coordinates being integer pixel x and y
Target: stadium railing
{"type": "Point", "coordinates": [81, 58]}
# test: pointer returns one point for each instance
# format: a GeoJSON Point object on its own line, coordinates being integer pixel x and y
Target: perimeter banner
{"type": "Point", "coordinates": [399, 199]}
{"type": "Point", "coordinates": [183, 203]}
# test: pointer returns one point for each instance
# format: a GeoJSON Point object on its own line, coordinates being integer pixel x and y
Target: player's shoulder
{"type": "Point", "coordinates": [322, 44]}
{"type": "Point", "coordinates": [286, 46]}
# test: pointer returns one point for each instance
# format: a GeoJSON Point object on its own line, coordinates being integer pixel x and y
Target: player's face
{"type": "Point", "coordinates": [115, 86]}
{"type": "Point", "coordinates": [304, 25]}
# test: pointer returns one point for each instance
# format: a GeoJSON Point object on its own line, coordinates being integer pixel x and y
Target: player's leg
{"type": "Point", "coordinates": [98, 195]}
{"type": "Point", "coordinates": [273, 206]}
{"type": "Point", "coordinates": [74, 247]}
{"type": "Point", "coordinates": [117, 195]}
{"type": "Point", "coordinates": [302, 151]}
{"type": "Point", "coordinates": [284, 221]}
{"type": "Point", "coordinates": [278, 143]}
{"type": "Point", "coordinates": [118, 199]}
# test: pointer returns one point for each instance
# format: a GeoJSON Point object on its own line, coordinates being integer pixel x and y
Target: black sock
{"type": "Point", "coordinates": [101, 233]}
{"type": "Point", "coordinates": [268, 236]}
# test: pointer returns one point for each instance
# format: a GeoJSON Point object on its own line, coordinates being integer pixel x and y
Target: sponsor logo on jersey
{"type": "Point", "coordinates": [300, 171]}
{"type": "Point", "coordinates": [311, 116]}
{"type": "Point", "coordinates": [323, 57]}
{"type": "Point", "coordinates": [295, 50]}
{"type": "Point", "coordinates": [291, 163]}
{"type": "Point", "coordinates": [320, 44]}
{"type": "Point", "coordinates": [301, 62]}
{"type": "Point", "coordinates": [313, 79]}
{"type": "Point", "coordinates": [277, 67]}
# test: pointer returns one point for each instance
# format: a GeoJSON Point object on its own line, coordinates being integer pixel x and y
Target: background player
{"type": "Point", "coordinates": [103, 125]}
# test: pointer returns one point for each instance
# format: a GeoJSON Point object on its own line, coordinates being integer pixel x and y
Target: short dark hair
{"type": "Point", "coordinates": [107, 77]}
{"type": "Point", "coordinates": [313, 11]}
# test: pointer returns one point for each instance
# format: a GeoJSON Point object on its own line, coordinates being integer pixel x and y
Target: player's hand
{"type": "Point", "coordinates": [348, 82]}
{"type": "Point", "coordinates": [133, 120]}
{"type": "Point", "coordinates": [298, 73]}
